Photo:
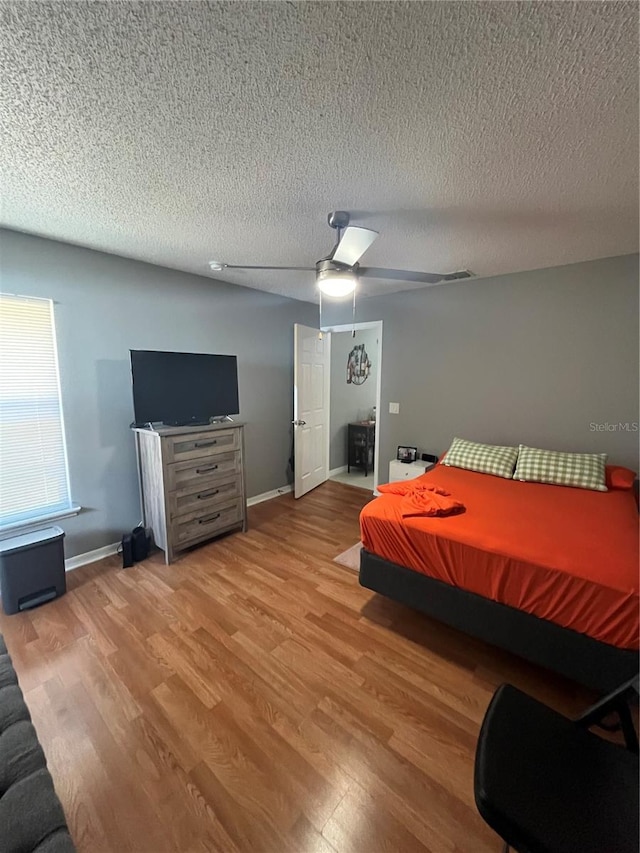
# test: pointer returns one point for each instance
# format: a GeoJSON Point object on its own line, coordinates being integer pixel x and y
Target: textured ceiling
{"type": "Point", "coordinates": [495, 136]}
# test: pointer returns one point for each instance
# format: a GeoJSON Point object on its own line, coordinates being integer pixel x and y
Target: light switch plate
{"type": "Point", "coordinates": [394, 408]}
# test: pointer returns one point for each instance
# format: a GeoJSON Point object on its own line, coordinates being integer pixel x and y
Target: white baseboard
{"type": "Point", "coordinates": [267, 496]}
{"type": "Point", "coordinates": [334, 471]}
{"type": "Point", "coordinates": [100, 553]}
{"type": "Point", "coordinates": [90, 556]}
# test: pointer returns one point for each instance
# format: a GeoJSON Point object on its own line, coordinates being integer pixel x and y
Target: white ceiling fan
{"type": "Point", "coordinates": [337, 275]}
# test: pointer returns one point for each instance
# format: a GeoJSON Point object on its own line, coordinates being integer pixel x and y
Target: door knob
{"type": "Point", "coordinates": [299, 423]}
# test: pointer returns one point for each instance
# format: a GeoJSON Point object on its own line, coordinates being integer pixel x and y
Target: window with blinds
{"type": "Point", "coordinates": [34, 478]}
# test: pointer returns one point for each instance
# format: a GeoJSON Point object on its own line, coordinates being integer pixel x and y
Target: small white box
{"type": "Point", "coordinates": [407, 470]}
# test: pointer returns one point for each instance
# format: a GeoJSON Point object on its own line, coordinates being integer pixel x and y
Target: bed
{"type": "Point", "coordinates": [548, 572]}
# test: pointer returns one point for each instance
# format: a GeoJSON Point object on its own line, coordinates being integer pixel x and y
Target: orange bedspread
{"type": "Point", "coordinates": [563, 554]}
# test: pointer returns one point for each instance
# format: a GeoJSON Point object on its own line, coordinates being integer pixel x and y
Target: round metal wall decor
{"type": "Point", "coordinates": [358, 365]}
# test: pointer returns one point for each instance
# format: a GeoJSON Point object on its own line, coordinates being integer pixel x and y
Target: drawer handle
{"type": "Point", "coordinates": [208, 494]}
{"type": "Point", "coordinates": [208, 519]}
{"type": "Point", "coordinates": [204, 470]}
{"type": "Point", "coordinates": [205, 443]}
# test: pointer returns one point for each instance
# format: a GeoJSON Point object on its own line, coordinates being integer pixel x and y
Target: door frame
{"type": "Point", "coordinates": [348, 327]}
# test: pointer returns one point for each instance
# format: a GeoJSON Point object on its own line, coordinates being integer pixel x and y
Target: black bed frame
{"type": "Point", "coordinates": [590, 662]}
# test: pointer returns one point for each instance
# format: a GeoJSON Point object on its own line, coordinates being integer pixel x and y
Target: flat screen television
{"type": "Point", "coordinates": [182, 388]}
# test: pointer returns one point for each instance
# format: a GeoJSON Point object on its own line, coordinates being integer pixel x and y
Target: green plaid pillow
{"type": "Point", "coordinates": [582, 470]}
{"type": "Point", "coordinates": [484, 458]}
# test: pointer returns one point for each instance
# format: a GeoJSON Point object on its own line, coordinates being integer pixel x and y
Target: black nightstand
{"type": "Point", "coordinates": [361, 442]}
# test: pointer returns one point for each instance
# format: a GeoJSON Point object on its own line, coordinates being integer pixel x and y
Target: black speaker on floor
{"type": "Point", "coordinates": [127, 551]}
{"type": "Point", "coordinates": [140, 543]}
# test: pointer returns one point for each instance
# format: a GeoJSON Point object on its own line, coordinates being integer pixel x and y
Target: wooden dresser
{"type": "Point", "coordinates": [192, 483]}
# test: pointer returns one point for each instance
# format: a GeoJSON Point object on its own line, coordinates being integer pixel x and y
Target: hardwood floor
{"type": "Point", "coordinates": [253, 698]}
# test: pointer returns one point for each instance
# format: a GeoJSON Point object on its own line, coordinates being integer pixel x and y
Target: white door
{"type": "Point", "coordinates": [311, 368]}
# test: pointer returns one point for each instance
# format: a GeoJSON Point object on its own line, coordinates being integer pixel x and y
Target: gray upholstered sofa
{"type": "Point", "coordinates": [31, 816]}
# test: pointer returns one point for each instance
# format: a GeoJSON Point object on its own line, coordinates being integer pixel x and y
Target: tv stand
{"type": "Point", "coordinates": [221, 419]}
{"type": "Point", "coordinates": [192, 483]}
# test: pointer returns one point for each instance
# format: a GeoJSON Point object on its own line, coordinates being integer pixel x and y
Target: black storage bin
{"type": "Point", "coordinates": [32, 569]}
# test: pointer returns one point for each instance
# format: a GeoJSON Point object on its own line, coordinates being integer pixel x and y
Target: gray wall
{"type": "Point", "coordinates": [532, 358]}
{"type": "Point", "coordinates": [349, 402]}
{"type": "Point", "coordinates": [106, 305]}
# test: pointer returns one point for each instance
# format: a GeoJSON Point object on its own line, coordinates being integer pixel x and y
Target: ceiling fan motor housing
{"type": "Point", "coordinates": [327, 269]}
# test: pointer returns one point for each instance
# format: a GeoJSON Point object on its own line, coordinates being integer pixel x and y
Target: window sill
{"type": "Point", "coordinates": [36, 523]}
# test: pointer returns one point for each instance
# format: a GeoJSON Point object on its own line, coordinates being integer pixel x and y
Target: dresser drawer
{"type": "Point", "coordinates": [199, 525]}
{"type": "Point", "coordinates": [198, 444]}
{"type": "Point", "coordinates": [204, 495]}
{"type": "Point", "coordinates": [195, 471]}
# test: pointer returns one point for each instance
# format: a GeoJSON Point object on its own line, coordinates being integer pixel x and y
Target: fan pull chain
{"type": "Point", "coordinates": [320, 292]}
{"type": "Point", "coordinates": [353, 330]}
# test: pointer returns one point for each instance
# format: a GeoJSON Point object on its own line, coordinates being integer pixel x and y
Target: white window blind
{"type": "Point", "coordinates": [34, 479]}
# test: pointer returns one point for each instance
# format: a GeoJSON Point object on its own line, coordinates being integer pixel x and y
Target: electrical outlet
{"type": "Point", "coordinates": [394, 408]}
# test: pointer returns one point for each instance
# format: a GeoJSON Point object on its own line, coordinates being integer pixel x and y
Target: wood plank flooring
{"type": "Point", "coordinates": [253, 698]}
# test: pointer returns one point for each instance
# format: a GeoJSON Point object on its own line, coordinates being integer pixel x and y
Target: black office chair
{"type": "Point", "coordinates": [546, 784]}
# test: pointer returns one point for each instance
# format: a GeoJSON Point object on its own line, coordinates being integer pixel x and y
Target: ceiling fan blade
{"type": "Point", "coordinates": [402, 275]}
{"type": "Point", "coordinates": [244, 267]}
{"type": "Point", "coordinates": [354, 243]}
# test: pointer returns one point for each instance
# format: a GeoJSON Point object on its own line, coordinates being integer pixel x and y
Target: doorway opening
{"type": "Point", "coordinates": [353, 438]}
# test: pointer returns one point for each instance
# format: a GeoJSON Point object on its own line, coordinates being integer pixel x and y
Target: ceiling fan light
{"type": "Point", "coordinates": [338, 284]}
